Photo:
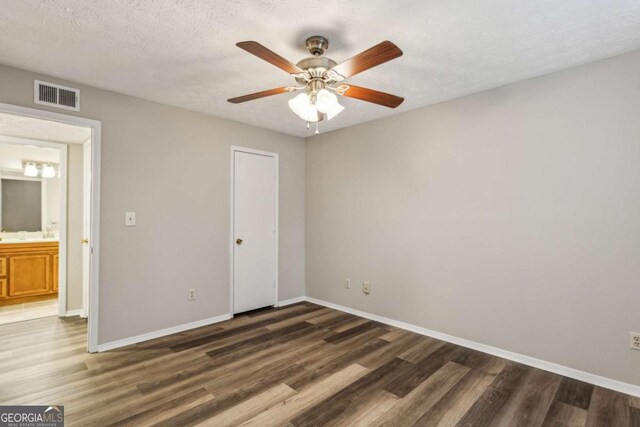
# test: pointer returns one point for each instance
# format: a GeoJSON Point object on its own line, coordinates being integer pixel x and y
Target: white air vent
{"type": "Point", "coordinates": [56, 95]}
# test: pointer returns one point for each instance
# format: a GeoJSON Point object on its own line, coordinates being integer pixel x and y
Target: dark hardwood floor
{"type": "Point", "coordinates": [301, 365]}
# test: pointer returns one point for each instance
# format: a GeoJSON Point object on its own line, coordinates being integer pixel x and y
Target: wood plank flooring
{"type": "Point", "coordinates": [301, 365]}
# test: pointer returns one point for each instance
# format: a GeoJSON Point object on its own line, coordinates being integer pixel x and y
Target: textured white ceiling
{"type": "Point", "coordinates": [28, 127]}
{"type": "Point", "coordinates": [182, 52]}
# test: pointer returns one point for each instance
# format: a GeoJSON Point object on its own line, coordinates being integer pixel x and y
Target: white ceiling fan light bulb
{"type": "Point", "coordinates": [48, 171]}
{"type": "Point", "coordinates": [325, 100]}
{"type": "Point", "coordinates": [31, 170]}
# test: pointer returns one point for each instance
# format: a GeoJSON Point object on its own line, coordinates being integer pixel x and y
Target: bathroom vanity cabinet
{"type": "Point", "coordinates": [28, 270]}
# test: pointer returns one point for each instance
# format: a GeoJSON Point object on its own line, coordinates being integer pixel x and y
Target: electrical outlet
{"type": "Point", "coordinates": [634, 340]}
{"type": "Point", "coordinates": [192, 294]}
{"type": "Point", "coordinates": [366, 287]}
{"type": "Point", "coordinates": [347, 284]}
{"type": "Point", "coordinates": [129, 219]}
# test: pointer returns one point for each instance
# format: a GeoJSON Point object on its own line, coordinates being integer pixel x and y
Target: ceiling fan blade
{"type": "Point", "coordinates": [370, 95]}
{"type": "Point", "coordinates": [262, 52]}
{"type": "Point", "coordinates": [258, 95]}
{"type": "Point", "coordinates": [379, 54]}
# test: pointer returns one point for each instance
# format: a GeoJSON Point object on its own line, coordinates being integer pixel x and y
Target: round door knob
{"type": "Point", "coordinates": [238, 241]}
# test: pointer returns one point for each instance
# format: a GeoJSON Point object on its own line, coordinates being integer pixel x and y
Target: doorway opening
{"type": "Point", "coordinates": [30, 217]}
{"type": "Point", "coordinates": [48, 207]}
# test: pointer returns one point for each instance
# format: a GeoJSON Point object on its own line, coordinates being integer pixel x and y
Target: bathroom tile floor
{"type": "Point", "coordinates": [28, 311]}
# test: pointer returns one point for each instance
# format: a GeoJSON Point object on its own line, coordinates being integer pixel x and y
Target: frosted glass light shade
{"type": "Point", "coordinates": [325, 101]}
{"type": "Point", "coordinates": [334, 111]}
{"type": "Point", "coordinates": [302, 106]}
{"type": "Point", "coordinates": [48, 171]}
{"type": "Point", "coordinates": [31, 170]}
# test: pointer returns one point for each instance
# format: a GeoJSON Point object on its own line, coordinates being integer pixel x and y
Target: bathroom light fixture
{"type": "Point", "coordinates": [30, 169]}
{"type": "Point", "coordinates": [33, 168]}
{"type": "Point", "coordinates": [48, 171]}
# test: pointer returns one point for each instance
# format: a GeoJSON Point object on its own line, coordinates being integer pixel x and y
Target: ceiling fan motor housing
{"type": "Point", "coordinates": [316, 68]}
{"type": "Point", "coordinates": [317, 45]}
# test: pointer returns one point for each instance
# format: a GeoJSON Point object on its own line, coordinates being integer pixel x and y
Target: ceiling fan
{"type": "Point", "coordinates": [320, 78]}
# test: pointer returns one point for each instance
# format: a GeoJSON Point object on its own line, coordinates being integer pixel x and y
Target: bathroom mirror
{"type": "Point", "coordinates": [20, 205]}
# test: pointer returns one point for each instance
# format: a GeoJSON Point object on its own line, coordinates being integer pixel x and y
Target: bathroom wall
{"type": "Point", "coordinates": [52, 200]}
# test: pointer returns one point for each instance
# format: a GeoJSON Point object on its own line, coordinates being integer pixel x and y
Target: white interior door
{"type": "Point", "coordinates": [254, 231]}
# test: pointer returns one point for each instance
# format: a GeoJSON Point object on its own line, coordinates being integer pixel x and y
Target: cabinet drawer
{"type": "Point", "coordinates": [3, 288]}
{"type": "Point", "coordinates": [3, 266]}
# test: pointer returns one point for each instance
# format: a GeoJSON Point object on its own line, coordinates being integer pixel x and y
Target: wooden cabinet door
{"type": "Point", "coordinates": [54, 271]}
{"type": "Point", "coordinates": [29, 274]}
{"type": "Point", "coordinates": [3, 287]}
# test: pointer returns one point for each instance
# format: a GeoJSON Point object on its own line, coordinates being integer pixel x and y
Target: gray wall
{"type": "Point", "coordinates": [171, 166]}
{"type": "Point", "coordinates": [510, 217]}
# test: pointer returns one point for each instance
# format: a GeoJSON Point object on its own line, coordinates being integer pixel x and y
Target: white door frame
{"type": "Point", "coordinates": [235, 149]}
{"type": "Point", "coordinates": [86, 225]}
{"type": "Point", "coordinates": [62, 230]}
{"type": "Point", "coordinates": [96, 133]}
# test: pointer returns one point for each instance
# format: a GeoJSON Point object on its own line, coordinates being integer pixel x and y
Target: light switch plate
{"type": "Point", "coordinates": [129, 219]}
{"type": "Point", "coordinates": [347, 284]}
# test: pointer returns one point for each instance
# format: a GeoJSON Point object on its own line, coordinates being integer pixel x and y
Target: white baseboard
{"type": "Point", "coordinates": [161, 333]}
{"type": "Point", "coordinates": [173, 330]}
{"type": "Point", "coordinates": [291, 301]}
{"type": "Point", "coordinates": [70, 313]}
{"type": "Point", "coordinates": [587, 377]}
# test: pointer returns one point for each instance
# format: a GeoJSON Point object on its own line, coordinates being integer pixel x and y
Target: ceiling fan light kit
{"type": "Point", "coordinates": [320, 78]}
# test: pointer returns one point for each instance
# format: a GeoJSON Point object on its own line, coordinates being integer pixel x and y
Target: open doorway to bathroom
{"type": "Point", "coordinates": [45, 200]}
